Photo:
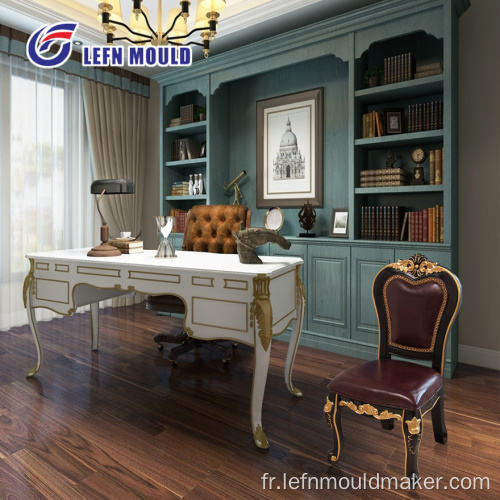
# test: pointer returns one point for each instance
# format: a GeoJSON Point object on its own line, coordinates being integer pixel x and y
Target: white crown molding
{"type": "Point", "coordinates": [260, 14]}
{"type": "Point", "coordinates": [33, 10]}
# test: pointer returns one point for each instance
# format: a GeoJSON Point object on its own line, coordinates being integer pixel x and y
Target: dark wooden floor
{"type": "Point", "coordinates": [122, 424]}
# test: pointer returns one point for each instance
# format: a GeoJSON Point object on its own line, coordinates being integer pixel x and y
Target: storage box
{"type": "Point", "coordinates": [188, 112]}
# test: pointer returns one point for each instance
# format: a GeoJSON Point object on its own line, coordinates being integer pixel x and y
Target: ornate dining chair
{"type": "Point", "coordinates": [209, 228]}
{"type": "Point", "coordinates": [416, 303]}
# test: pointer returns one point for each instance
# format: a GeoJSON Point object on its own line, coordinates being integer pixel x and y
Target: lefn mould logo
{"type": "Point", "coordinates": [40, 42]}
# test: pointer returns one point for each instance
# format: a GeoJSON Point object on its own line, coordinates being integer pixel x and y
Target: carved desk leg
{"type": "Point", "coordinates": [295, 337]}
{"type": "Point", "coordinates": [261, 320]}
{"type": "Point", "coordinates": [94, 324]}
{"type": "Point", "coordinates": [34, 328]}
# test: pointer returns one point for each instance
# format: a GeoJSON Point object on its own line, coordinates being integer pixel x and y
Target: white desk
{"type": "Point", "coordinates": [224, 299]}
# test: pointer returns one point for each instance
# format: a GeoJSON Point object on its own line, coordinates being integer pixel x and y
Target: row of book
{"type": "Point", "coordinates": [436, 160]}
{"type": "Point", "coordinates": [185, 149]}
{"type": "Point", "coordinates": [383, 177]}
{"type": "Point", "coordinates": [128, 246]}
{"type": "Point", "coordinates": [180, 219]}
{"type": "Point", "coordinates": [426, 225]}
{"type": "Point", "coordinates": [398, 68]}
{"type": "Point", "coordinates": [401, 68]}
{"type": "Point", "coordinates": [373, 124]}
{"type": "Point", "coordinates": [425, 116]}
{"type": "Point", "coordinates": [395, 223]}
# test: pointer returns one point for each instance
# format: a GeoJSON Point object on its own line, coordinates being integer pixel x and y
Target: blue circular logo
{"type": "Point", "coordinates": [40, 43]}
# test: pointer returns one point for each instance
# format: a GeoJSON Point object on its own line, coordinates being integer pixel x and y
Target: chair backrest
{"type": "Point", "coordinates": [209, 228]}
{"type": "Point", "coordinates": [416, 303]}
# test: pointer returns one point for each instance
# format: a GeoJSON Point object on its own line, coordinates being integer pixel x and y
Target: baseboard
{"type": "Point", "coordinates": [487, 358]}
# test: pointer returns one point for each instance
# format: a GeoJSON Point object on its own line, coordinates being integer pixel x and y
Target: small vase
{"type": "Point", "coordinates": [196, 189]}
{"type": "Point", "coordinates": [191, 187]}
{"type": "Point", "coordinates": [200, 185]}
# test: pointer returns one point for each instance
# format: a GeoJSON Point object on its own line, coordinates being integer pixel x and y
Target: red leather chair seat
{"type": "Point", "coordinates": [388, 383]}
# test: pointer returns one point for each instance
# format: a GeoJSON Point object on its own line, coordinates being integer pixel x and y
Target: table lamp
{"type": "Point", "coordinates": [102, 187]}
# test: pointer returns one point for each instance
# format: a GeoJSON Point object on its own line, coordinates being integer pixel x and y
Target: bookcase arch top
{"type": "Point", "coordinates": [430, 21]}
{"type": "Point", "coordinates": [199, 85]}
{"type": "Point", "coordinates": [218, 81]}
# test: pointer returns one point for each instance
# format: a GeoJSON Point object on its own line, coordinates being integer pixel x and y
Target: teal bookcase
{"type": "Point", "coordinates": [334, 55]}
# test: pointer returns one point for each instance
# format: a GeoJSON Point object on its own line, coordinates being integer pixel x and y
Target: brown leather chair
{"type": "Point", "coordinates": [209, 228]}
{"type": "Point", "coordinates": [416, 303]}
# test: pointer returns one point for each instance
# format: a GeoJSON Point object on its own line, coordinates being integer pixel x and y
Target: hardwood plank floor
{"type": "Point", "coordinates": [122, 424]}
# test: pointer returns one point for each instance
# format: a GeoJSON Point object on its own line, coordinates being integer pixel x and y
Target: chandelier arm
{"type": "Point", "coordinates": [128, 40]}
{"type": "Point", "coordinates": [190, 33]}
{"type": "Point", "coordinates": [131, 31]}
{"type": "Point", "coordinates": [173, 24]}
{"type": "Point", "coordinates": [147, 22]}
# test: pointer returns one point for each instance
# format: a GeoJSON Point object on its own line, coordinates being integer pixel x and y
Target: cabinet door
{"type": "Point", "coordinates": [328, 290]}
{"type": "Point", "coordinates": [366, 262]}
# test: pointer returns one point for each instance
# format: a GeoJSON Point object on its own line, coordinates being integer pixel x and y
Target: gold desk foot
{"type": "Point", "coordinates": [260, 438]}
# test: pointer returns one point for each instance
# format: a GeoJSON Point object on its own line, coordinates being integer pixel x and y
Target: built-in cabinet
{"type": "Point", "coordinates": [333, 55]}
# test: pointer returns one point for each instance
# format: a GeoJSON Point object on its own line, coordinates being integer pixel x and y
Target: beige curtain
{"type": "Point", "coordinates": [117, 125]}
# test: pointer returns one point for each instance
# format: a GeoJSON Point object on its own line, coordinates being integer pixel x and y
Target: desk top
{"type": "Point", "coordinates": [201, 261]}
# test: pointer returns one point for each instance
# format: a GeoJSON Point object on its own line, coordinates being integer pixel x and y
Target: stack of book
{"type": "Point", "coordinates": [425, 116]}
{"type": "Point", "coordinates": [175, 122]}
{"type": "Point", "coordinates": [180, 188]}
{"type": "Point", "coordinates": [426, 225]}
{"type": "Point", "coordinates": [383, 177]}
{"type": "Point", "coordinates": [180, 219]}
{"type": "Point", "coordinates": [373, 124]}
{"type": "Point", "coordinates": [431, 69]}
{"type": "Point", "coordinates": [381, 223]}
{"type": "Point", "coordinates": [128, 245]}
{"type": "Point", "coordinates": [398, 68]}
{"type": "Point", "coordinates": [436, 166]}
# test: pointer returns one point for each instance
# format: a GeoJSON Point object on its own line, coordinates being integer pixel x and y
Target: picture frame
{"type": "Point", "coordinates": [394, 120]}
{"type": "Point", "coordinates": [274, 218]}
{"type": "Point", "coordinates": [339, 226]}
{"type": "Point", "coordinates": [290, 150]}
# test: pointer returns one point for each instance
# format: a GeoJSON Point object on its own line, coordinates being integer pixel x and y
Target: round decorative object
{"type": "Point", "coordinates": [274, 218]}
{"type": "Point", "coordinates": [418, 155]}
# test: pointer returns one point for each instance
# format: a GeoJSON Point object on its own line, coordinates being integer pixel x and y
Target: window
{"type": "Point", "coordinates": [45, 202]}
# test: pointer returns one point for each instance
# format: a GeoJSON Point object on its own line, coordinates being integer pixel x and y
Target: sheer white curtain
{"type": "Point", "coordinates": [45, 201]}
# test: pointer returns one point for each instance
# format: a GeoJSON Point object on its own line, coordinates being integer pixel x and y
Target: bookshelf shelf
{"type": "Point", "coordinates": [413, 138]}
{"type": "Point", "coordinates": [197, 162]}
{"type": "Point", "coordinates": [401, 189]}
{"type": "Point", "coordinates": [188, 128]}
{"type": "Point", "coordinates": [402, 90]}
{"type": "Point", "coordinates": [193, 197]}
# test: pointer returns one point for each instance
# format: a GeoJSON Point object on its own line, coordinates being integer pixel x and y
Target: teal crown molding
{"type": "Point", "coordinates": [329, 37]}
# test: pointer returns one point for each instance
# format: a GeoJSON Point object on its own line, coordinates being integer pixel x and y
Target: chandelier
{"type": "Point", "coordinates": [207, 14]}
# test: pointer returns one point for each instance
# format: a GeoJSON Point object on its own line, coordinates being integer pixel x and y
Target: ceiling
{"type": "Point", "coordinates": [241, 22]}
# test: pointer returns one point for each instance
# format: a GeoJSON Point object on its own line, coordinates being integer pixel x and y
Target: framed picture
{"type": "Point", "coordinates": [394, 120]}
{"type": "Point", "coordinates": [339, 224]}
{"type": "Point", "coordinates": [290, 150]}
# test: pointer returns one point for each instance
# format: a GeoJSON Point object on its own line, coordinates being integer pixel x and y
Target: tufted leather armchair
{"type": "Point", "coordinates": [416, 303]}
{"type": "Point", "coordinates": [209, 228]}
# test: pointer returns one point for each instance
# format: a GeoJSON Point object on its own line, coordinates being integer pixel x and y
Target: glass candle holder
{"type": "Point", "coordinates": [165, 224]}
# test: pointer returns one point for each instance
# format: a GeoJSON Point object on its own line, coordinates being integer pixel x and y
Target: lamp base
{"type": "Point", "coordinates": [104, 250]}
